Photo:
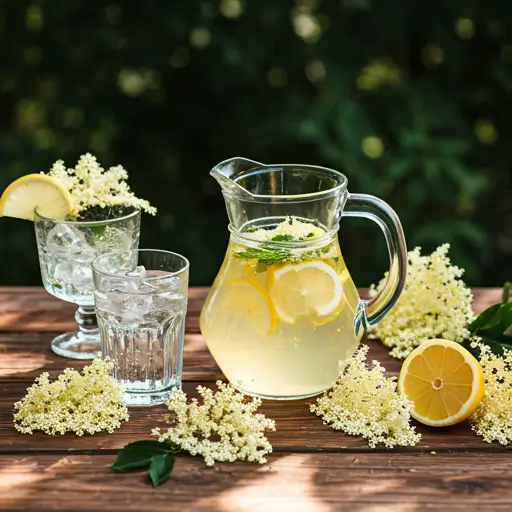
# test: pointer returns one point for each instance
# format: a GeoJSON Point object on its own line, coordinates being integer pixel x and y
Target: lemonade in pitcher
{"type": "Point", "coordinates": [283, 311]}
{"type": "Point", "coordinates": [276, 312]}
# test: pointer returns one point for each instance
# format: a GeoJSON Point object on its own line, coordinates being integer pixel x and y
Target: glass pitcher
{"type": "Point", "coordinates": [283, 310]}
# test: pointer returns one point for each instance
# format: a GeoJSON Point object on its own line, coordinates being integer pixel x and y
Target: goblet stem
{"type": "Point", "coordinates": [85, 317]}
{"type": "Point", "coordinates": [81, 344]}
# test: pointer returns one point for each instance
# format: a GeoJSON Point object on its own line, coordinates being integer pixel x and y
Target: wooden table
{"type": "Point", "coordinates": [313, 468]}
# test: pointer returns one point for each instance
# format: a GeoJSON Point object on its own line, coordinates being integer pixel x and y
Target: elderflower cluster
{"type": "Point", "coordinates": [493, 418]}
{"type": "Point", "coordinates": [435, 303]}
{"type": "Point", "coordinates": [91, 185]}
{"type": "Point", "coordinates": [83, 403]}
{"type": "Point", "coordinates": [364, 402]}
{"type": "Point", "coordinates": [225, 427]}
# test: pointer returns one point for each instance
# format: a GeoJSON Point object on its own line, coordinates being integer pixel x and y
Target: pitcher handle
{"type": "Point", "coordinates": [370, 207]}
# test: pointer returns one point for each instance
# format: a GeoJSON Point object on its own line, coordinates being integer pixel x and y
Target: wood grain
{"type": "Point", "coordinates": [312, 469]}
{"type": "Point", "coordinates": [289, 482]}
{"type": "Point", "coordinates": [296, 429]}
{"type": "Point", "coordinates": [32, 309]}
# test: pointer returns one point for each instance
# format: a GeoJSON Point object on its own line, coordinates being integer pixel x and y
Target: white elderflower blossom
{"type": "Point", "coordinates": [493, 418]}
{"type": "Point", "coordinates": [91, 185]}
{"type": "Point", "coordinates": [225, 427]}
{"type": "Point", "coordinates": [435, 303]}
{"type": "Point", "coordinates": [364, 402]}
{"type": "Point", "coordinates": [83, 403]}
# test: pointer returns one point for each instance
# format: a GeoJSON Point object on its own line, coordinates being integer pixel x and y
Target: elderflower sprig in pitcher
{"type": "Point", "coordinates": [78, 212]}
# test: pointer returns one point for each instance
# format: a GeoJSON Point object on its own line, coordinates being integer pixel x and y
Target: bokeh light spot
{"type": "Point", "coordinates": [464, 28]}
{"type": "Point", "coordinates": [485, 131]}
{"type": "Point", "coordinates": [134, 82]}
{"type": "Point", "coordinates": [372, 146]}
{"type": "Point", "coordinates": [30, 115]}
{"type": "Point", "coordinates": [179, 58]}
{"type": "Point", "coordinates": [200, 37]}
{"type": "Point", "coordinates": [231, 9]}
{"type": "Point", "coordinates": [72, 117]}
{"type": "Point", "coordinates": [306, 24]}
{"type": "Point", "coordinates": [44, 138]}
{"type": "Point", "coordinates": [113, 13]}
{"type": "Point", "coordinates": [378, 73]}
{"type": "Point", "coordinates": [315, 71]}
{"type": "Point", "coordinates": [432, 55]}
{"type": "Point", "coordinates": [277, 77]}
{"type": "Point", "coordinates": [34, 18]}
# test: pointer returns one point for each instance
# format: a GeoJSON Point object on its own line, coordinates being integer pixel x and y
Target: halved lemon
{"type": "Point", "coordinates": [249, 299]}
{"type": "Point", "coordinates": [50, 196]}
{"type": "Point", "coordinates": [443, 380]}
{"type": "Point", "coordinates": [311, 289]}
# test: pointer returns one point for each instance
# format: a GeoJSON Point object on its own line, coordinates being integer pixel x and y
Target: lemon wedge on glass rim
{"type": "Point", "coordinates": [444, 382]}
{"type": "Point", "coordinates": [21, 197]}
{"type": "Point", "coordinates": [311, 289]}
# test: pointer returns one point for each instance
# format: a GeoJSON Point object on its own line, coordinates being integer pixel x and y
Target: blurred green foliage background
{"type": "Point", "coordinates": [411, 100]}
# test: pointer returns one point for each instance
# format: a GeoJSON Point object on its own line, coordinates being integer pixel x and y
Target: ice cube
{"type": "Point", "coordinates": [134, 307]}
{"type": "Point", "coordinates": [169, 302]}
{"type": "Point", "coordinates": [164, 282]}
{"type": "Point", "coordinates": [113, 238]}
{"type": "Point", "coordinates": [64, 239]}
{"type": "Point", "coordinates": [139, 271]}
{"type": "Point", "coordinates": [74, 273]}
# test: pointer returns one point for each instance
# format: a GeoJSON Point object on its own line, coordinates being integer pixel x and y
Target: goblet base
{"type": "Point", "coordinates": [77, 345]}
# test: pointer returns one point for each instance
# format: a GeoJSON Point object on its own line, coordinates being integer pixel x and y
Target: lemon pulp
{"type": "Point", "coordinates": [444, 382]}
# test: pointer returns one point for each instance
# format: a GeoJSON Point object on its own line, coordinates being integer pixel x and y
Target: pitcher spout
{"type": "Point", "coordinates": [225, 173]}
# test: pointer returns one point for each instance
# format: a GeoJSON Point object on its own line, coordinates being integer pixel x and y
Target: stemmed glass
{"type": "Point", "coordinates": [66, 250]}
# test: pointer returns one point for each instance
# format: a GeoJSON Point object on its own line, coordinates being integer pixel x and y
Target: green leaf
{"type": "Point", "coordinates": [483, 318]}
{"type": "Point", "coordinates": [161, 467]}
{"type": "Point", "coordinates": [148, 444]}
{"type": "Point", "coordinates": [283, 238]}
{"type": "Point", "coordinates": [132, 458]}
{"type": "Point", "coordinates": [493, 325]}
{"type": "Point", "coordinates": [507, 292]}
{"type": "Point", "coordinates": [140, 454]}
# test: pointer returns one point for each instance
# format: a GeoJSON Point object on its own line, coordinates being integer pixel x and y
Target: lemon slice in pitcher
{"type": "Point", "coordinates": [21, 197]}
{"type": "Point", "coordinates": [247, 298]}
{"type": "Point", "coordinates": [311, 289]}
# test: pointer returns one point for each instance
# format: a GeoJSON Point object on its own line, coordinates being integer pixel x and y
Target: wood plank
{"type": "Point", "coordinates": [298, 482]}
{"type": "Point", "coordinates": [297, 429]}
{"type": "Point", "coordinates": [24, 356]}
{"type": "Point", "coordinates": [32, 309]}
{"type": "Point", "coordinates": [29, 309]}
{"type": "Point", "coordinates": [36, 355]}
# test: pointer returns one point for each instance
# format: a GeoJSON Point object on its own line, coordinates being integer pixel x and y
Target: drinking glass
{"type": "Point", "coordinates": [66, 251]}
{"type": "Point", "coordinates": [141, 303]}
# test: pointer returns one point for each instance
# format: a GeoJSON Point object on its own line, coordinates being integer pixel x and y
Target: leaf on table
{"type": "Point", "coordinates": [493, 325]}
{"type": "Point", "coordinates": [148, 444]}
{"type": "Point", "coordinates": [484, 318]}
{"type": "Point", "coordinates": [157, 455]}
{"type": "Point", "coordinates": [160, 468]}
{"type": "Point", "coordinates": [132, 458]}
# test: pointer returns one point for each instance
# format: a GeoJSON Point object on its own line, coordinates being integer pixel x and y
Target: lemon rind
{"type": "Point", "coordinates": [477, 384]}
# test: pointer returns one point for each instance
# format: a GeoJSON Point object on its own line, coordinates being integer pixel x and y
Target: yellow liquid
{"type": "Point", "coordinates": [293, 361]}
